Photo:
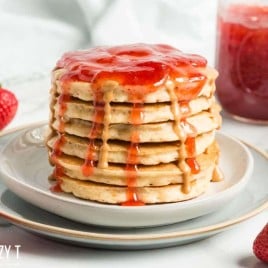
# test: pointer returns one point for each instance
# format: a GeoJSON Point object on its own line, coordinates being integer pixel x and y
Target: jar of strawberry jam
{"type": "Point", "coordinates": [242, 59]}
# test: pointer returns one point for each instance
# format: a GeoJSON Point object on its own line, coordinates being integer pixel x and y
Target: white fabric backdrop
{"type": "Point", "coordinates": [34, 33]}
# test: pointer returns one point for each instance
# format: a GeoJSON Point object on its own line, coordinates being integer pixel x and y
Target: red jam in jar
{"type": "Point", "coordinates": [242, 61]}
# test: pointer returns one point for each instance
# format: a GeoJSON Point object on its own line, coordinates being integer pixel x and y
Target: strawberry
{"type": "Point", "coordinates": [260, 245]}
{"type": "Point", "coordinates": [8, 107]}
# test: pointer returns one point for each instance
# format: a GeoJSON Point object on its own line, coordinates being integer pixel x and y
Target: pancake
{"type": "Point", "coordinates": [133, 125]}
{"type": "Point", "coordinates": [83, 90]}
{"type": "Point", "coordinates": [149, 153]}
{"type": "Point", "coordinates": [152, 113]}
{"type": "Point", "coordinates": [117, 195]}
{"type": "Point", "coordinates": [155, 175]}
{"type": "Point", "coordinates": [154, 132]}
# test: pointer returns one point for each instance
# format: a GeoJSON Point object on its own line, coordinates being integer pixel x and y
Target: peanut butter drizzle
{"type": "Point", "coordinates": [182, 129]}
{"type": "Point", "coordinates": [217, 175]}
{"type": "Point", "coordinates": [103, 155]}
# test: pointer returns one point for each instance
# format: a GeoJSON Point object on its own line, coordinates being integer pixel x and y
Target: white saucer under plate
{"type": "Point", "coordinates": [24, 169]}
{"type": "Point", "coordinates": [249, 202]}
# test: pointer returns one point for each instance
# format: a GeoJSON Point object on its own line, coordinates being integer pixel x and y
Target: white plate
{"type": "Point", "coordinates": [248, 203]}
{"type": "Point", "coordinates": [24, 169]}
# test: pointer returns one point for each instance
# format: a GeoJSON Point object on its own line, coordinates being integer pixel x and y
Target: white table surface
{"type": "Point", "coordinates": [232, 248]}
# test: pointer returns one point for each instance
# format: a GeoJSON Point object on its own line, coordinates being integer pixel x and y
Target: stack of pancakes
{"type": "Point", "coordinates": [117, 142]}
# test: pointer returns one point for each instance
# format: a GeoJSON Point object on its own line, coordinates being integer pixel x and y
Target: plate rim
{"type": "Point", "coordinates": [41, 227]}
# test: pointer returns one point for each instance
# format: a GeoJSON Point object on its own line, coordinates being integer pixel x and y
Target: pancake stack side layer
{"type": "Point", "coordinates": [133, 125]}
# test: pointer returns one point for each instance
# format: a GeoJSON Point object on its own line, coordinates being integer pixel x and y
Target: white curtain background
{"type": "Point", "coordinates": [34, 33]}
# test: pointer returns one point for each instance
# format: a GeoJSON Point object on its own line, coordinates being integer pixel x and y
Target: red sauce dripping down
{"type": "Point", "coordinates": [57, 151]}
{"type": "Point", "coordinates": [140, 69]}
{"type": "Point", "coordinates": [136, 117]}
{"type": "Point", "coordinates": [57, 174]}
{"type": "Point", "coordinates": [191, 152]}
{"type": "Point", "coordinates": [188, 88]}
{"type": "Point", "coordinates": [193, 164]}
{"type": "Point", "coordinates": [132, 198]}
{"type": "Point", "coordinates": [131, 173]}
{"type": "Point", "coordinates": [56, 188]}
{"type": "Point", "coordinates": [190, 146]}
{"type": "Point", "coordinates": [190, 142]}
{"type": "Point", "coordinates": [133, 159]}
{"type": "Point", "coordinates": [89, 163]}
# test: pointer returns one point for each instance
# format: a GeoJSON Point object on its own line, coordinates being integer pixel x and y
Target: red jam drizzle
{"type": "Point", "coordinates": [193, 164]}
{"type": "Point", "coordinates": [190, 146]}
{"type": "Point", "coordinates": [57, 147]}
{"type": "Point", "coordinates": [89, 163]}
{"type": "Point", "coordinates": [190, 142]}
{"type": "Point", "coordinates": [191, 152]}
{"type": "Point", "coordinates": [57, 174]}
{"type": "Point", "coordinates": [133, 157]}
{"type": "Point", "coordinates": [188, 88]}
{"type": "Point", "coordinates": [242, 61]}
{"type": "Point", "coordinates": [141, 69]}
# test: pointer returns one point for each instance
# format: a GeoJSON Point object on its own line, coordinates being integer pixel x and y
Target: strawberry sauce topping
{"type": "Point", "coordinates": [136, 65]}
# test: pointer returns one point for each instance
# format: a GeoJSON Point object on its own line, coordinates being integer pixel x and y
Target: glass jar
{"type": "Point", "coordinates": [242, 59]}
